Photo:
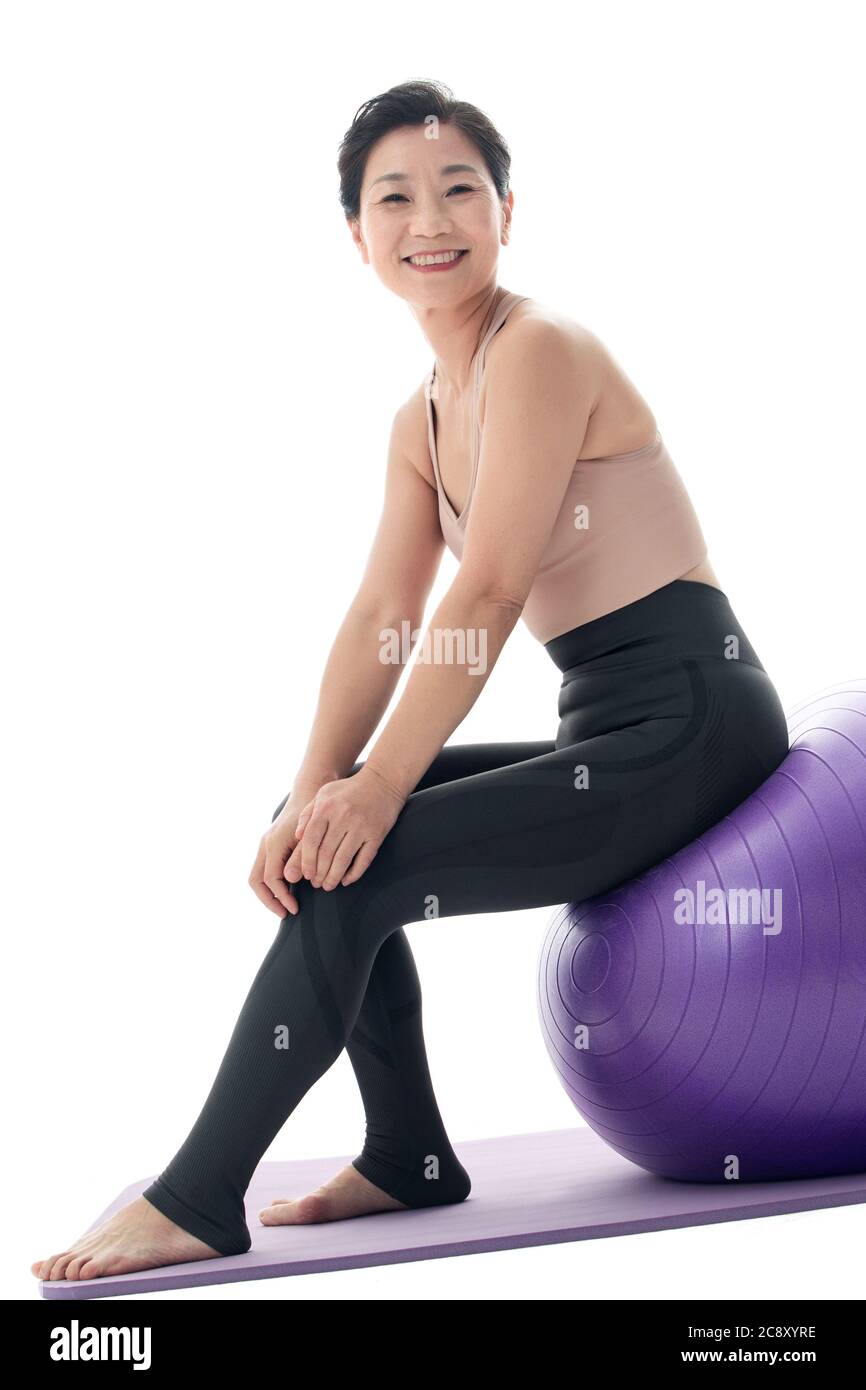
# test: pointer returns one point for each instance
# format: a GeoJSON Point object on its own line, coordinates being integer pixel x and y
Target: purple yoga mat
{"type": "Point", "coordinates": [527, 1189]}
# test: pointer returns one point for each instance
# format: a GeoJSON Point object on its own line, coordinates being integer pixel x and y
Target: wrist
{"type": "Point", "coordinates": [310, 781]}
{"type": "Point", "coordinates": [304, 792]}
{"type": "Point", "coordinates": [386, 780]}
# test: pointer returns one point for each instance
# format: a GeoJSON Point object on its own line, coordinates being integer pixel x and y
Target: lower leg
{"type": "Point", "coordinates": [293, 1024]}
{"type": "Point", "coordinates": [407, 1152]}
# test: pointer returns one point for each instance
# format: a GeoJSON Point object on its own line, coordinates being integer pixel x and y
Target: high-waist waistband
{"type": "Point", "coordinates": [681, 619]}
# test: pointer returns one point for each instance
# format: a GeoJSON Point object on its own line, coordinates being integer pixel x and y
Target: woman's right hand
{"type": "Point", "coordinates": [277, 843]}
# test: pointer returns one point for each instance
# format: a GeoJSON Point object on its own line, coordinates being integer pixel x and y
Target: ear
{"type": "Point", "coordinates": [507, 211]}
{"type": "Point", "coordinates": [355, 229]}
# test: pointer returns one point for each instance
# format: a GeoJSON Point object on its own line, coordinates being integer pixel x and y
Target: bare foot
{"type": "Point", "coordinates": [347, 1194]}
{"type": "Point", "coordinates": [136, 1237]}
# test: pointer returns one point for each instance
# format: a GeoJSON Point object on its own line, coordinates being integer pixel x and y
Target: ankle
{"type": "Point", "coordinates": [433, 1179]}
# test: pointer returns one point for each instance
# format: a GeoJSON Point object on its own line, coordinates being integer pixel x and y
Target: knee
{"type": "Point", "coordinates": [367, 910]}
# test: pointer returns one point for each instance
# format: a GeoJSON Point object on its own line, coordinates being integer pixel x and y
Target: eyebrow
{"type": "Point", "coordinates": [446, 169]}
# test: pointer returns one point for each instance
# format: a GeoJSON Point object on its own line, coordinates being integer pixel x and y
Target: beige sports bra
{"type": "Point", "coordinates": [626, 525]}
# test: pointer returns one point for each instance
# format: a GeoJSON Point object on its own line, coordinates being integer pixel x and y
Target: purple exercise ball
{"type": "Point", "coordinates": [708, 1018]}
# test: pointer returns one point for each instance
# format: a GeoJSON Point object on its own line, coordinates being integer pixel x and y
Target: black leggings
{"type": "Point", "coordinates": [667, 721]}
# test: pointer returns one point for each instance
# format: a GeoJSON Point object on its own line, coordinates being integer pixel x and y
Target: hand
{"type": "Point", "coordinates": [340, 830]}
{"type": "Point", "coordinates": [266, 878]}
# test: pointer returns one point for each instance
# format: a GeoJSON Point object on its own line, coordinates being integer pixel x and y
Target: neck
{"type": "Point", "coordinates": [455, 335]}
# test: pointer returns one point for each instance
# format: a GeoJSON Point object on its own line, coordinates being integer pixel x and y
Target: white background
{"type": "Point", "coordinates": [199, 377]}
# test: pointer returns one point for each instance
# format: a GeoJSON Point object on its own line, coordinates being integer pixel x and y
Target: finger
{"type": "Point", "coordinates": [363, 859]}
{"type": "Point", "coordinates": [303, 818]}
{"type": "Point", "coordinates": [286, 903]}
{"type": "Point", "coordinates": [264, 893]}
{"type": "Point", "coordinates": [276, 885]}
{"type": "Point", "coordinates": [294, 868]}
{"type": "Point", "coordinates": [256, 881]}
{"type": "Point", "coordinates": [343, 857]}
{"type": "Point", "coordinates": [327, 849]}
{"type": "Point", "coordinates": [314, 833]}
{"type": "Point", "coordinates": [286, 906]}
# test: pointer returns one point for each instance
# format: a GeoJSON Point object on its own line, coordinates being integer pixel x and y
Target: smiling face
{"type": "Point", "coordinates": [425, 197]}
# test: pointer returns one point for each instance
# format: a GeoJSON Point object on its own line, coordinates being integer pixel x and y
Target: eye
{"type": "Point", "coordinates": [399, 197]}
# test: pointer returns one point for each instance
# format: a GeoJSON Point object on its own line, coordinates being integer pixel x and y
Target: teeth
{"type": "Point", "coordinates": [442, 259]}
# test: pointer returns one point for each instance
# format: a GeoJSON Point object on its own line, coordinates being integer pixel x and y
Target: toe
{"type": "Point", "coordinates": [277, 1213]}
{"type": "Point", "coordinates": [293, 1213]}
{"type": "Point", "coordinates": [46, 1266]}
{"type": "Point", "coordinates": [73, 1269]}
{"type": "Point", "coordinates": [58, 1265]}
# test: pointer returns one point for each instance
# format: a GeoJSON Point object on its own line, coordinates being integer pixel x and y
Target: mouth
{"type": "Point", "coordinates": [435, 260]}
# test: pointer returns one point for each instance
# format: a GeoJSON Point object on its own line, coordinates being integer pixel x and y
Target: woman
{"type": "Point", "coordinates": [530, 453]}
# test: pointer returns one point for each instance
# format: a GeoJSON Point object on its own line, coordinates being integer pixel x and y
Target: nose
{"type": "Point", "coordinates": [430, 218]}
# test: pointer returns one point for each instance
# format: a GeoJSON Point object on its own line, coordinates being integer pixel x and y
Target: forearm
{"type": "Point", "coordinates": [355, 688]}
{"type": "Point", "coordinates": [456, 655]}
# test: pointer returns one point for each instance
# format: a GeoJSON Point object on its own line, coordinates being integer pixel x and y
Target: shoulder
{"type": "Point", "coordinates": [538, 344]}
{"type": "Point", "coordinates": [409, 432]}
{"type": "Point", "coordinates": [538, 335]}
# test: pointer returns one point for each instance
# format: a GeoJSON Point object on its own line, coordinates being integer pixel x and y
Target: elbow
{"type": "Point", "coordinates": [389, 615]}
{"type": "Point", "coordinates": [500, 596]}
{"type": "Point", "coordinates": [502, 599]}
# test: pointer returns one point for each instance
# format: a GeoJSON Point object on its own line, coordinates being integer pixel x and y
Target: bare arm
{"type": "Point", "coordinates": [356, 684]}
{"type": "Point", "coordinates": [541, 390]}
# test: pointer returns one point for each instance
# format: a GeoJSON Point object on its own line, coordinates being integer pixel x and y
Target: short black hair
{"type": "Point", "coordinates": [412, 103]}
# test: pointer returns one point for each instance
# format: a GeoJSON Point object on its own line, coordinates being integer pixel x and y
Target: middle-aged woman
{"type": "Point", "coordinates": [529, 452]}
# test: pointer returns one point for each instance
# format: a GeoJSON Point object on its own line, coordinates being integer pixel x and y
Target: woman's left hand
{"type": "Point", "coordinates": [346, 821]}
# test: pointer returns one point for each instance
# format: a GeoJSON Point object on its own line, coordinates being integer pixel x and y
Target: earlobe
{"type": "Point", "coordinates": [507, 208]}
{"type": "Point", "coordinates": [355, 232]}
